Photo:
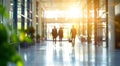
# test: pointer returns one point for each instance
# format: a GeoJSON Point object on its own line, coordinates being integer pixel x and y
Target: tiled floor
{"type": "Point", "coordinates": [62, 54]}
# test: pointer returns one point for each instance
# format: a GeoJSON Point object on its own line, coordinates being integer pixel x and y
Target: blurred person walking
{"type": "Point", "coordinates": [54, 34]}
{"type": "Point", "coordinates": [60, 33]}
{"type": "Point", "coordinates": [73, 35]}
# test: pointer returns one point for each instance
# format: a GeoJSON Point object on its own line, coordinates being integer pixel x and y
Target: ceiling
{"type": "Point", "coordinates": [60, 4]}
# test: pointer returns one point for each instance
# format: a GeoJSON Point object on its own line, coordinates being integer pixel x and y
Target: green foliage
{"type": "Point", "coordinates": [13, 38]}
{"type": "Point", "coordinates": [8, 54]}
{"type": "Point", "coordinates": [37, 36]}
{"type": "Point", "coordinates": [3, 12]}
{"type": "Point", "coordinates": [3, 34]}
{"type": "Point", "coordinates": [28, 40]}
{"type": "Point", "coordinates": [31, 30]}
{"type": "Point", "coordinates": [7, 51]}
{"type": "Point", "coordinates": [23, 37]}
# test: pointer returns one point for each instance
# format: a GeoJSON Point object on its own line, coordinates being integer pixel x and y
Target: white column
{"type": "Point", "coordinates": [111, 32]}
{"type": "Point", "coordinates": [34, 14]}
{"type": "Point", "coordinates": [40, 19]}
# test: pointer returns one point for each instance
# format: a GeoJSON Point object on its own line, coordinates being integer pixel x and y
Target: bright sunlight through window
{"type": "Point", "coordinates": [72, 12]}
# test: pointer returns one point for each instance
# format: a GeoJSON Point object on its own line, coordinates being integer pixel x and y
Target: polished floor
{"type": "Point", "coordinates": [47, 53]}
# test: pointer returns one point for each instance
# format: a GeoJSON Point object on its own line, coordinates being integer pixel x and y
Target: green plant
{"type": "Point", "coordinates": [7, 51]}
{"type": "Point", "coordinates": [37, 36]}
{"type": "Point", "coordinates": [31, 31]}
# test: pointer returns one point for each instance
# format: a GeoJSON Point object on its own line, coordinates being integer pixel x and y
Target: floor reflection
{"type": "Point", "coordinates": [63, 54]}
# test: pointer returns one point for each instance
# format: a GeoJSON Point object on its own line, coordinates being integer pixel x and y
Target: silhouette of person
{"type": "Point", "coordinates": [73, 33]}
{"type": "Point", "coordinates": [60, 33]}
{"type": "Point", "coordinates": [54, 34]}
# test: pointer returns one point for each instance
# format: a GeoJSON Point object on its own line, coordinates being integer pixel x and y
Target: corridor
{"type": "Point", "coordinates": [47, 53]}
{"type": "Point", "coordinates": [96, 21]}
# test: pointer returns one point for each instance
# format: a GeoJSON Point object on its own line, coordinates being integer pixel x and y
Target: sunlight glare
{"type": "Point", "coordinates": [73, 12]}
{"type": "Point", "coordinates": [25, 57]}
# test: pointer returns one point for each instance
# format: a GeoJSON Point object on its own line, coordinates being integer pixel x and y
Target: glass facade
{"type": "Point", "coordinates": [22, 11]}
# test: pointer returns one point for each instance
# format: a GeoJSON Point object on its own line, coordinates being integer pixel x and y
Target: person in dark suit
{"type": "Point", "coordinates": [54, 34]}
{"type": "Point", "coordinates": [60, 33]}
{"type": "Point", "coordinates": [73, 34]}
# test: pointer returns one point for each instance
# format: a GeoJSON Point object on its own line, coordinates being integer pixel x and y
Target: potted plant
{"type": "Point", "coordinates": [7, 51]}
{"type": "Point", "coordinates": [30, 32]}
{"type": "Point", "coordinates": [24, 39]}
{"type": "Point", "coordinates": [37, 38]}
